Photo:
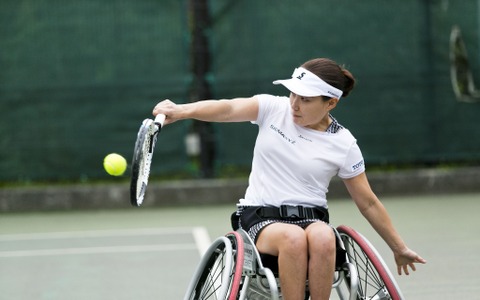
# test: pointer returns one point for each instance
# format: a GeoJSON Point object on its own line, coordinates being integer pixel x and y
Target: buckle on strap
{"type": "Point", "coordinates": [292, 212]}
{"type": "Point", "coordinates": [289, 211]}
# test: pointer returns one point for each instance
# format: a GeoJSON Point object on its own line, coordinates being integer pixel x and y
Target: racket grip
{"type": "Point", "coordinates": [160, 119]}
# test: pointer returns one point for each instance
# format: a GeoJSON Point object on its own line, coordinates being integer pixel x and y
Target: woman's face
{"type": "Point", "coordinates": [311, 112]}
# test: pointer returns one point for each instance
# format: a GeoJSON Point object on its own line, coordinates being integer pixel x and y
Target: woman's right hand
{"type": "Point", "coordinates": [171, 110]}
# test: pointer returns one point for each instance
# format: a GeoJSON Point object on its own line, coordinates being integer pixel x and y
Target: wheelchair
{"type": "Point", "coordinates": [232, 268]}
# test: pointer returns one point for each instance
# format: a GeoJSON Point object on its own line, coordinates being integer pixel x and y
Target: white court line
{"type": "Point", "coordinates": [95, 233]}
{"type": "Point", "coordinates": [200, 236]}
{"type": "Point", "coordinates": [202, 239]}
{"type": "Point", "coordinates": [97, 250]}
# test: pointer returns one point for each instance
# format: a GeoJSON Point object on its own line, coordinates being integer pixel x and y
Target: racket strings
{"type": "Point", "coordinates": [142, 159]}
{"type": "Point", "coordinates": [149, 140]}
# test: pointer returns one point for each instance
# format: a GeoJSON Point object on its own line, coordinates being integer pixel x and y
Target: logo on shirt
{"type": "Point", "coordinates": [357, 165]}
{"type": "Point", "coordinates": [280, 132]}
{"type": "Point", "coordinates": [304, 138]}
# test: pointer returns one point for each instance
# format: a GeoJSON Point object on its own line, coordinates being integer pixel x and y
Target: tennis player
{"type": "Point", "coordinates": [299, 148]}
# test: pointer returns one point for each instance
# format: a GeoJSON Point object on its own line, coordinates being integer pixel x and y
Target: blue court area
{"type": "Point", "coordinates": [151, 253]}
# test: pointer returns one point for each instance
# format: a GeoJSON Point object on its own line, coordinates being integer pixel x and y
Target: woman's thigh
{"type": "Point", "coordinates": [276, 236]}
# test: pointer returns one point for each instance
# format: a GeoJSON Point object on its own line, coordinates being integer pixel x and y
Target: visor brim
{"type": "Point", "coordinates": [298, 88]}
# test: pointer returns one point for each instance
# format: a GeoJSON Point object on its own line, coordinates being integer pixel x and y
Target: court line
{"type": "Point", "coordinates": [95, 233]}
{"type": "Point", "coordinates": [202, 239]}
{"type": "Point", "coordinates": [97, 250]}
{"type": "Point", "coordinates": [200, 236]}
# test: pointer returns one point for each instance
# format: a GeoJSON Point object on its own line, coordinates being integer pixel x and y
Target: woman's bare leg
{"type": "Point", "coordinates": [321, 265]}
{"type": "Point", "coordinates": [289, 243]}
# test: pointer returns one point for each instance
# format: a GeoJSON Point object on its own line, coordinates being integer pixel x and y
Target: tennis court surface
{"type": "Point", "coordinates": [151, 253]}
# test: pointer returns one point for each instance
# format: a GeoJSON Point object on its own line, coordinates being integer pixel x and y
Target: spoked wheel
{"type": "Point", "coordinates": [375, 280]}
{"type": "Point", "coordinates": [219, 273]}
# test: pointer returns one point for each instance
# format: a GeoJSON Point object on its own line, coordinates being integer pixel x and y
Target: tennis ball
{"type": "Point", "coordinates": [115, 164]}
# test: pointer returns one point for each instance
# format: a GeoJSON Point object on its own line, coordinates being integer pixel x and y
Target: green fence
{"type": "Point", "coordinates": [77, 77]}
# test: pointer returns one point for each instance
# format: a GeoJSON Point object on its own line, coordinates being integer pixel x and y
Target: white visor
{"type": "Point", "coordinates": [305, 83]}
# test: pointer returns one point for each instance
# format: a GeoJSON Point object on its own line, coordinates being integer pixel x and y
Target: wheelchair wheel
{"type": "Point", "coordinates": [238, 253]}
{"type": "Point", "coordinates": [375, 279]}
{"type": "Point", "coordinates": [219, 273]}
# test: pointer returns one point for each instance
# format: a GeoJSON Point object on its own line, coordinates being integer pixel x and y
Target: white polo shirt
{"type": "Point", "coordinates": [293, 165]}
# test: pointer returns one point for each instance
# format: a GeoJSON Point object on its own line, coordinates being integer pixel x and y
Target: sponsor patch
{"type": "Point", "coordinates": [357, 165]}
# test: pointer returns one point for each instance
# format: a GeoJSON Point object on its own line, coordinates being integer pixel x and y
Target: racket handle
{"type": "Point", "coordinates": [160, 119]}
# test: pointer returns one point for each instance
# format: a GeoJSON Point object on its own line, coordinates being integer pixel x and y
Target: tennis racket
{"type": "Point", "coordinates": [142, 157]}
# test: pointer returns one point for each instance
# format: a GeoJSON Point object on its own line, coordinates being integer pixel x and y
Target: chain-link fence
{"type": "Point", "coordinates": [78, 77]}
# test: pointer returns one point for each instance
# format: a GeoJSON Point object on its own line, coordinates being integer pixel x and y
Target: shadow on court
{"type": "Point", "coordinates": [151, 253]}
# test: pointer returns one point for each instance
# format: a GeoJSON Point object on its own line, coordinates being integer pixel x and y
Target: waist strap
{"type": "Point", "coordinates": [294, 212]}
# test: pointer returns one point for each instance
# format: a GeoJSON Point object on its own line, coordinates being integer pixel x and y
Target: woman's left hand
{"type": "Point", "coordinates": [407, 258]}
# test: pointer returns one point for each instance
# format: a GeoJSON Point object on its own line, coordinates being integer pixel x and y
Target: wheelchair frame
{"type": "Point", "coordinates": [233, 269]}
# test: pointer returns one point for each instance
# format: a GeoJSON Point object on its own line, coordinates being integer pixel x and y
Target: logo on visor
{"type": "Point", "coordinates": [301, 75]}
{"type": "Point", "coordinates": [333, 94]}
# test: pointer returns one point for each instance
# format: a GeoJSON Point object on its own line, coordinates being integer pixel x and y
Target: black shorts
{"type": "Point", "coordinates": [249, 219]}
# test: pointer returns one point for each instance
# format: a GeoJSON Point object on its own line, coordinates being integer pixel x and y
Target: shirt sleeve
{"type": "Point", "coordinates": [267, 104]}
{"type": "Point", "coordinates": [354, 163]}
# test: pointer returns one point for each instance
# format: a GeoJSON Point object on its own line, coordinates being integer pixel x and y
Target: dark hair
{"type": "Point", "coordinates": [332, 73]}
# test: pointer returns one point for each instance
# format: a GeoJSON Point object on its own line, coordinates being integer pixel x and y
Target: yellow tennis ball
{"type": "Point", "coordinates": [115, 164]}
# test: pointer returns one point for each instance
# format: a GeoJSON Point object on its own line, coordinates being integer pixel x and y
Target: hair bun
{"type": "Point", "coordinates": [332, 73]}
{"type": "Point", "coordinates": [349, 82]}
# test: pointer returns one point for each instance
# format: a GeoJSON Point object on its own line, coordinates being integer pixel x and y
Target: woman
{"type": "Point", "coordinates": [299, 148]}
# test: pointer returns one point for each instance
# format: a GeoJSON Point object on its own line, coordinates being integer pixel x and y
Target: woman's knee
{"type": "Point", "coordinates": [321, 238]}
{"type": "Point", "coordinates": [284, 238]}
{"type": "Point", "coordinates": [295, 239]}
